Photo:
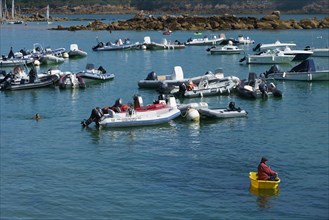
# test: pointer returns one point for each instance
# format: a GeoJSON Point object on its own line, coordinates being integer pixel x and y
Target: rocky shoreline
{"type": "Point", "coordinates": [194, 23]}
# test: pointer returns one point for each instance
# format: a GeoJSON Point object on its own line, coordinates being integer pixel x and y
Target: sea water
{"type": "Point", "coordinates": [55, 169]}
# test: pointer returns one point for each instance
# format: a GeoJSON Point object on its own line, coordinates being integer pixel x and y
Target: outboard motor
{"type": "Point", "coordinates": [32, 75]}
{"type": "Point", "coordinates": [181, 91]}
{"type": "Point", "coordinates": [231, 106]}
{"type": "Point", "coordinates": [263, 88]}
{"type": "Point", "coordinates": [182, 88]}
{"type": "Point", "coordinates": [163, 88]}
{"type": "Point", "coordinates": [103, 71]}
{"type": "Point", "coordinates": [252, 78]}
{"type": "Point", "coordinates": [99, 45]}
{"type": "Point", "coordinates": [6, 82]}
{"type": "Point", "coordinates": [257, 47]}
{"type": "Point", "coordinates": [151, 76]}
{"type": "Point", "coordinates": [95, 116]}
{"type": "Point", "coordinates": [3, 72]}
{"type": "Point", "coordinates": [274, 90]}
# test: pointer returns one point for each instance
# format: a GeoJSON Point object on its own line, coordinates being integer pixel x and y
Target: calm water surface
{"type": "Point", "coordinates": [54, 169]}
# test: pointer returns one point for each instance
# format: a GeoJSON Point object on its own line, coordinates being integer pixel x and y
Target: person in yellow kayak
{"type": "Point", "coordinates": [265, 172]}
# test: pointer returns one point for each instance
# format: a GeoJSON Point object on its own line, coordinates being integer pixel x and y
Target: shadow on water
{"type": "Point", "coordinates": [264, 196]}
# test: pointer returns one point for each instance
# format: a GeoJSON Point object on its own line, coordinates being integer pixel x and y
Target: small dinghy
{"type": "Point", "coordinates": [305, 71]}
{"type": "Point", "coordinates": [161, 111]}
{"type": "Point", "coordinates": [255, 87]}
{"type": "Point", "coordinates": [9, 82]}
{"type": "Point", "coordinates": [262, 184]}
{"type": "Point", "coordinates": [230, 112]}
{"type": "Point", "coordinates": [190, 110]}
{"type": "Point", "coordinates": [206, 88]}
{"type": "Point", "coordinates": [71, 80]}
{"type": "Point", "coordinates": [76, 52]}
{"type": "Point", "coordinates": [92, 74]}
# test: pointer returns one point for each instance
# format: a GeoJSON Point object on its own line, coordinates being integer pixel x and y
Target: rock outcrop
{"type": "Point", "coordinates": [185, 22]}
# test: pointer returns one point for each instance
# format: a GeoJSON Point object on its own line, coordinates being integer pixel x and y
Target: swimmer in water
{"type": "Point", "coordinates": [37, 116]}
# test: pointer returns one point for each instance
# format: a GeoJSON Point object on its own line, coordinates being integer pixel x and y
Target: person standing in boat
{"type": "Point", "coordinates": [265, 172]}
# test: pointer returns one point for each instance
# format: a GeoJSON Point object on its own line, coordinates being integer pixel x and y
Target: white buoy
{"type": "Point", "coordinates": [192, 114]}
{"type": "Point", "coordinates": [65, 55]}
{"type": "Point", "coordinates": [36, 63]}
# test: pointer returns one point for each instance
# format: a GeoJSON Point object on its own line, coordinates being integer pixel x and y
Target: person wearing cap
{"type": "Point", "coordinates": [265, 172]}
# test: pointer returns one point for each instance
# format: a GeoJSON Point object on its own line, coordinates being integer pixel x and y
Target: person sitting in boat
{"type": "Point", "coordinates": [231, 107]}
{"type": "Point", "coordinates": [265, 172]}
{"type": "Point", "coordinates": [161, 99]}
{"type": "Point", "coordinates": [119, 107]}
{"type": "Point", "coordinates": [190, 85]}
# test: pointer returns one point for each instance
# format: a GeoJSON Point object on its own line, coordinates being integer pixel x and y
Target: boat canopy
{"type": "Point", "coordinates": [305, 66]}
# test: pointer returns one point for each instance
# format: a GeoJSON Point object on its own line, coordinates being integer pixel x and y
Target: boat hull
{"type": "Point", "coordinates": [269, 59]}
{"type": "Point", "coordinates": [262, 184]}
{"type": "Point", "coordinates": [146, 118]}
{"type": "Point", "coordinates": [222, 113]}
{"type": "Point", "coordinates": [301, 76]}
{"type": "Point", "coordinates": [96, 76]}
{"type": "Point", "coordinates": [42, 82]}
{"type": "Point", "coordinates": [321, 52]}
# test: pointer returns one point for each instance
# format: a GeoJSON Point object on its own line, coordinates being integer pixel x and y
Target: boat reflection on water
{"type": "Point", "coordinates": [264, 196]}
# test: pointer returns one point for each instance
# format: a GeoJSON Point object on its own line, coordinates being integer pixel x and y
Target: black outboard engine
{"type": "Point", "coordinates": [103, 71]}
{"type": "Point", "coordinates": [6, 82]}
{"type": "Point", "coordinates": [252, 78]}
{"type": "Point", "coordinates": [272, 88]}
{"type": "Point", "coordinates": [182, 88]}
{"type": "Point", "coordinates": [163, 88]}
{"type": "Point", "coordinates": [3, 72]}
{"type": "Point", "coordinates": [181, 91]}
{"type": "Point", "coordinates": [231, 106]}
{"type": "Point", "coordinates": [95, 116]}
{"type": "Point", "coordinates": [99, 45]}
{"type": "Point", "coordinates": [263, 88]}
{"type": "Point", "coordinates": [257, 47]}
{"type": "Point", "coordinates": [151, 76]}
{"type": "Point", "coordinates": [32, 75]}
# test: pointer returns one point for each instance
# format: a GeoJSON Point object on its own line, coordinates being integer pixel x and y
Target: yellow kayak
{"type": "Point", "coordinates": [262, 184]}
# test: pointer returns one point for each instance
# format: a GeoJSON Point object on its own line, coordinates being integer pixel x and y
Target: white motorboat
{"type": "Point", "coordinates": [163, 82]}
{"type": "Point", "coordinates": [305, 71]}
{"type": "Point", "coordinates": [205, 41]}
{"type": "Point", "coordinates": [320, 52]}
{"type": "Point", "coordinates": [268, 57]}
{"type": "Point", "coordinates": [20, 80]}
{"type": "Point", "coordinates": [137, 115]}
{"type": "Point", "coordinates": [163, 45]}
{"type": "Point", "coordinates": [92, 74]}
{"type": "Point", "coordinates": [227, 49]}
{"type": "Point", "coordinates": [71, 80]}
{"type": "Point", "coordinates": [11, 62]}
{"type": "Point", "coordinates": [244, 40]}
{"type": "Point", "coordinates": [257, 87]}
{"type": "Point", "coordinates": [300, 55]}
{"type": "Point", "coordinates": [120, 44]}
{"type": "Point", "coordinates": [47, 55]}
{"type": "Point", "coordinates": [286, 48]}
{"type": "Point", "coordinates": [15, 59]}
{"type": "Point", "coordinates": [271, 46]}
{"type": "Point", "coordinates": [221, 86]}
{"type": "Point", "coordinates": [230, 112]}
{"type": "Point", "coordinates": [76, 52]}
